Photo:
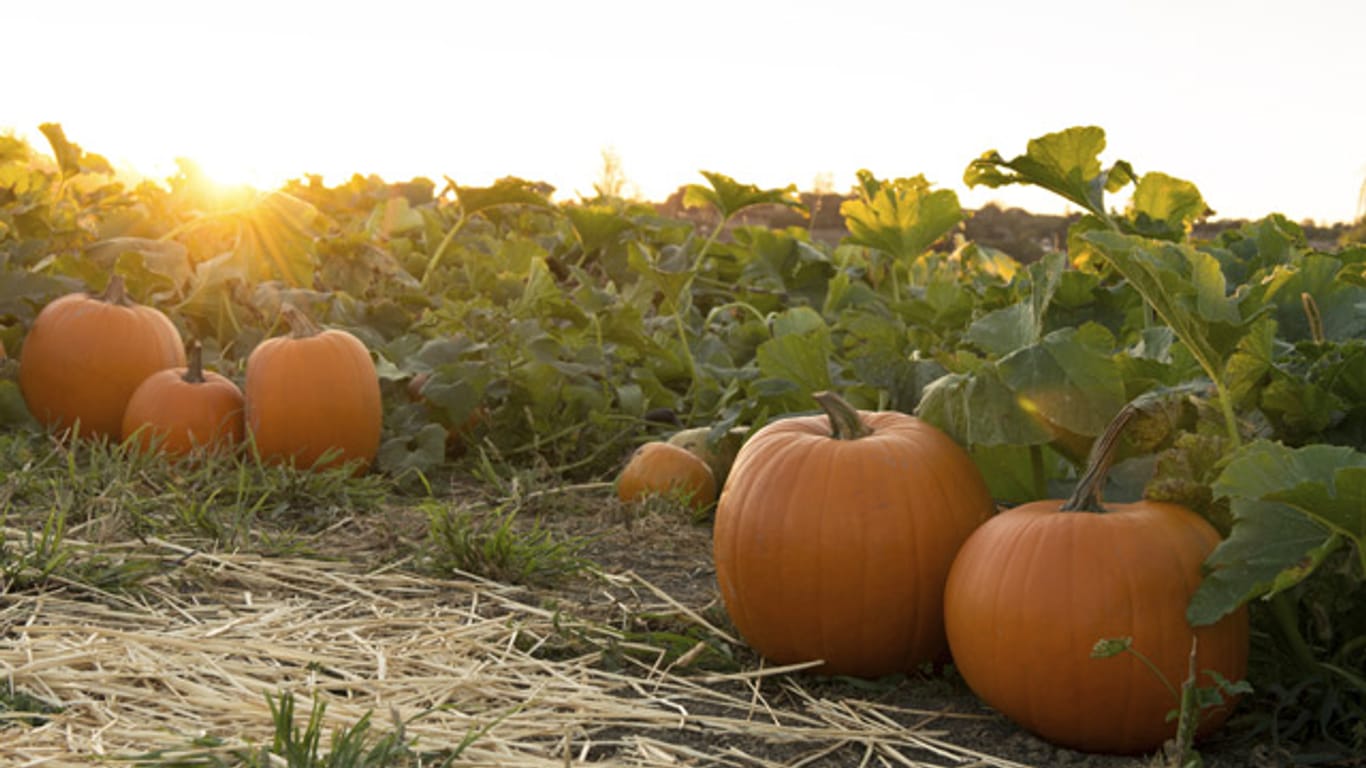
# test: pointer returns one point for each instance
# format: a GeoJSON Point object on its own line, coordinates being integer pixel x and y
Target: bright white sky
{"type": "Point", "coordinates": [1258, 102]}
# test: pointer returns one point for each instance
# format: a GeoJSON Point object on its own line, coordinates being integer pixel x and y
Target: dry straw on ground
{"type": "Point", "coordinates": [198, 653]}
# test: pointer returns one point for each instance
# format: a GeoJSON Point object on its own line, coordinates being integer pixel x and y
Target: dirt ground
{"type": "Point", "coordinates": [632, 662]}
{"type": "Point", "coordinates": [673, 553]}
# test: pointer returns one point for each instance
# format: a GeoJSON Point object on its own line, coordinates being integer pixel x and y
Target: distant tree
{"type": "Point", "coordinates": [612, 181]}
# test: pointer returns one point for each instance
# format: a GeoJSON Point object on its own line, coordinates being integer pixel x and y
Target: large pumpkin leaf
{"type": "Point", "coordinates": [796, 361]}
{"type": "Point", "coordinates": [978, 409]}
{"type": "Point", "coordinates": [597, 226]}
{"type": "Point", "coordinates": [1069, 380]}
{"type": "Point", "coordinates": [729, 196]}
{"type": "Point", "coordinates": [1066, 163]}
{"type": "Point", "coordinates": [1165, 206]}
{"type": "Point", "coordinates": [1291, 507]}
{"type": "Point", "coordinates": [901, 217]}
{"type": "Point", "coordinates": [506, 191]}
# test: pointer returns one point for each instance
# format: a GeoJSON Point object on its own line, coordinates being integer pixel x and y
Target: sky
{"type": "Point", "coordinates": [1259, 103]}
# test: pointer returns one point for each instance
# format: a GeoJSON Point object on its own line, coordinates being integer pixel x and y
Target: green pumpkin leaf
{"type": "Point", "coordinates": [275, 238]}
{"type": "Point", "coordinates": [1066, 163]}
{"type": "Point", "coordinates": [420, 452]}
{"type": "Point", "coordinates": [597, 226]}
{"type": "Point", "coordinates": [796, 361]}
{"type": "Point", "coordinates": [901, 217]}
{"type": "Point", "coordinates": [393, 217]}
{"type": "Point", "coordinates": [1165, 206]}
{"type": "Point", "coordinates": [1065, 381]}
{"type": "Point", "coordinates": [1340, 302]}
{"type": "Point", "coordinates": [1291, 507]}
{"type": "Point", "coordinates": [1185, 287]}
{"type": "Point", "coordinates": [1005, 330]}
{"type": "Point", "coordinates": [505, 191]}
{"type": "Point", "coordinates": [729, 196]}
{"type": "Point", "coordinates": [979, 409]}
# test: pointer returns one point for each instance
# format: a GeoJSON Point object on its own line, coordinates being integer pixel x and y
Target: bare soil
{"type": "Point", "coordinates": [672, 552]}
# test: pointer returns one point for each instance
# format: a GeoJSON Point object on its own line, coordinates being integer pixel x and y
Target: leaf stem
{"type": "Point", "coordinates": [1287, 618]}
{"type": "Point", "coordinates": [440, 251]}
{"type": "Point", "coordinates": [1037, 471]}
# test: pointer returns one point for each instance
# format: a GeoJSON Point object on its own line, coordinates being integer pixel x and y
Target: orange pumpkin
{"type": "Point", "coordinates": [834, 535]}
{"type": "Point", "coordinates": [183, 409]}
{"type": "Point", "coordinates": [660, 468]}
{"type": "Point", "coordinates": [1035, 588]}
{"type": "Point", "coordinates": [313, 393]}
{"type": "Point", "coordinates": [85, 354]}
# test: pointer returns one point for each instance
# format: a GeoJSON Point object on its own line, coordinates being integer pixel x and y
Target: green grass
{"type": "Point", "coordinates": [495, 546]}
{"type": "Point", "coordinates": [359, 745]}
{"type": "Point", "coordinates": [61, 504]}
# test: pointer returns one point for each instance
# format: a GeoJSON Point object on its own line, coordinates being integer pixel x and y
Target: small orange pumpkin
{"type": "Point", "coordinates": [1035, 588]}
{"type": "Point", "coordinates": [85, 354]}
{"type": "Point", "coordinates": [660, 468]}
{"type": "Point", "coordinates": [834, 535]}
{"type": "Point", "coordinates": [184, 409]}
{"type": "Point", "coordinates": [311, 393]}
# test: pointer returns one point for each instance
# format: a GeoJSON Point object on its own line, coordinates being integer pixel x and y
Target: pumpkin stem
{"type": "Point", "coordinates": [115, 292]}
{"type": "Point", "coordinates": [301, 326]}
{"type": "Point", "coordinates": [845, 423]}
{"type": "Point", "coordinates": [194, 371]}
{"type": "Point", "coordinates": [1086, 497]}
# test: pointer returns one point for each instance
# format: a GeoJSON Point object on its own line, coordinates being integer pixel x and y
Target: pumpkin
{"type": "Point", "coordinates": [834, 535]}
{"type": "Point", "coordinates": [719, 454]}
{"type": "Point", "coordinates": [312, 397]}
{"type": "Point", "coordinates": [1035, 588]}
{"type": "Point", "coordinates": [85, 354]}
{"type": "Point", "coordinates": [658, 468]}
{"type": "Point", "coordinates": [179, 410]}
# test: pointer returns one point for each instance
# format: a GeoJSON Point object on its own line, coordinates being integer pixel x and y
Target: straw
{"type": "Point", "coordinates": [197, 652]}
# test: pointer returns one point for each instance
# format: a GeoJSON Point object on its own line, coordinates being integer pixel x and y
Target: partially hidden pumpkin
{"type": "Point", "coordinates": [313, 397]}
{"type": "Point", "coordinates": [718, 453]}
{"type": "Point", "coordinates": [1035, 588]}
{"type": "Point", "coordinates": [658, 468]}
{"type": "Point", "coordinates": [85, 354]}
{"type": "Point", "coordinates": [834, 535]}
{"type": "Point", "coordinates": [183, 410]}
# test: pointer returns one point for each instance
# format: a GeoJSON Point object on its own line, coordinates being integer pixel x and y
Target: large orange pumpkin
{"type": "Point", "coordinates": [85, 354]}
{"type": "Point", "coordinates": [834, 535]}
{"type": "Point", "coordinates": [1035, 588]}
{"type": "Point", "coordinates": [184, 409]}
{"type": "Point", "coordinates": [312, 393]}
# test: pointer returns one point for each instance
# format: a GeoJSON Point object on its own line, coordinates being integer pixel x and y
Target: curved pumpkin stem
{"type": "Point", "coordinates": [194, 371]}
{"type": "Point", "coordinates": [115, 292]}
{"type": "Point", "coordinates": [301, 326]}
{"type": "Point", "coordinates": [845, 423]}
{"type": "Point", "coordinates": [1086, 497]}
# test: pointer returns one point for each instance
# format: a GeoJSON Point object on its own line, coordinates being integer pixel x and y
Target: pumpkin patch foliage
{"type": "Point", "coordinates": [416, 340]}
